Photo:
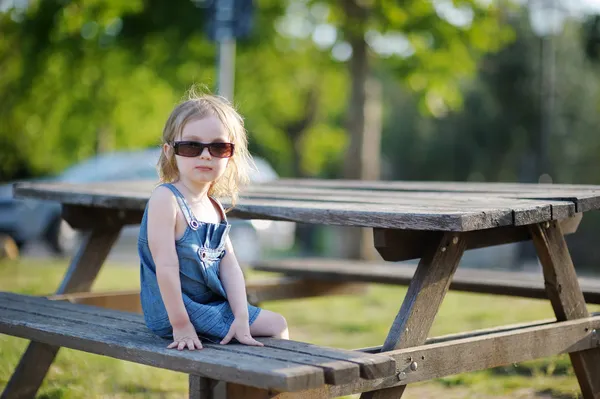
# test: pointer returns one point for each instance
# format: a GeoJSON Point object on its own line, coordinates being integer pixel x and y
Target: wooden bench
{"type": "Point", "coordinates": [281, 365]}
{"type": "Point", "coordinates": [257, 290]}
{"type": "Point", "coordinates": [286, 369]}
{"type": "Point", "coordinates": [520, 284]}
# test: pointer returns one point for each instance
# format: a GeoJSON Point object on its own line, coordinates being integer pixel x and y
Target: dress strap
{"type": "Point", "coordinates": [183, 204]}
{"type": "Point", "coordinates": [223, 215]}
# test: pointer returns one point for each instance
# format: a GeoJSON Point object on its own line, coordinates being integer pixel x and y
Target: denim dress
{"type": "Point", "coordinates": [199, 251]}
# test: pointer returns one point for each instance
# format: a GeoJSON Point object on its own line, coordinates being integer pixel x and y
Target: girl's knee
{"type": "Point", "coordinates": [270, 324]}
{"type": "Point", "coordinates": [281, 326]}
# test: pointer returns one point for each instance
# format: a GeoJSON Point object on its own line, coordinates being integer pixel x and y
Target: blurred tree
{"type": "Point", "coordinates": [431, 46]}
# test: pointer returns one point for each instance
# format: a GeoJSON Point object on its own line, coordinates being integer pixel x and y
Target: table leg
{"type": "Point", "coordinates": [422, 301]}
{"type": "Point", "coordinates": [567, 298]}
{"type": "Point", "coordinates": [85, 265]}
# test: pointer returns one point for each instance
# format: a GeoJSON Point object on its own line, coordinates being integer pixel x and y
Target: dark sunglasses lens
{"type": "Point", "coordinates": [221, 150]}
{"type": "Point", "coordinates": [187, 150]}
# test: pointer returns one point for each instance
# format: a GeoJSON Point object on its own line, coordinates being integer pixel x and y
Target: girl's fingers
{"type": "Point", "coordinates": [172, 345]}
{"type": "Point", "coordinates": [190, 344]}
{"type": "Point", "coordinates": [251, 341]}
{"type": "Point", "coordinates": [198, 343]}
{"type": "Point", "coordinates": [181, 345]}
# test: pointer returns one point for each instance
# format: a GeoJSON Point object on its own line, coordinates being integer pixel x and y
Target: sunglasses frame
{"type": "Point", "coordinates": [201, 146]}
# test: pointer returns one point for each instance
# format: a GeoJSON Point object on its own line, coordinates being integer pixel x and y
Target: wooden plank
{"type": "Point", "coordinates": [422, 301]}
{"type": "Point", "coordinates": [80, 276]}
{"type": "Point", "coordinates": [585, 197]}
{"type": "Point", "coordinates": [126, 301]}
{"type": "Point", "coordinates": [201, 387]}
{"type": "Point", "coordinates": [325, 357]}
{"type": "Point", "coordinates": [509, 283]}
{"type": "Point", "coordinates": [284, 288]}
{"type": "Point", "coordinates": [267, 289]}
{"type": "Point", "coordinates": [399, 245]}
{"type": "Point", "coordinates": [521, 209]}
{"type": "Point", "coordinates": [236, 391]}
{"type": "Point", "coordinates": [567, 298]}
{"type": "Point", "coordinates": [122, 342]}
{"type": "Point", "coordinates": [481, 352]}
{"type": "Point", "coordinates": [370, 367]}
{"type": "Point", "coordinates": [408, 216]}
{"type": "Point", "coordinates": [86, 217]}
{"type": "Point", "coordinates": [338, 366]}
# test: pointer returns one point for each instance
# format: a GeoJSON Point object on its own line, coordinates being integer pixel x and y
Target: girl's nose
{"type": "Point", "coordinates": [205, 153]}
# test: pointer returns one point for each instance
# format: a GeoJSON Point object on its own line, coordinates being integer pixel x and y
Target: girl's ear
{"type": "Point", "coordinates": [167, 150]}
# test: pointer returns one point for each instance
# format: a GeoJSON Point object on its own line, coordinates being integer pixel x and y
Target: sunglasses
{"type": "Point", "coordinates": [194, 148]}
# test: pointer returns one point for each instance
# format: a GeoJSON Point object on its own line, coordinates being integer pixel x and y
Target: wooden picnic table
{"type": "Point", "coordinates": [431, 221]}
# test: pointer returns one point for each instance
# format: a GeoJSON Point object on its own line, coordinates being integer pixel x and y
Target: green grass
{"type": "Point", "coordinates": [342, 321]}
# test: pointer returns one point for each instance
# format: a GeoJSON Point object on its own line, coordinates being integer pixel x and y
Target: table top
{"type": "Point", "coordinates": [441, 206]}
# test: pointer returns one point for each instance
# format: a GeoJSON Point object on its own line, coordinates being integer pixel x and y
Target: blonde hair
{"type": "Point", "coordinates": [199, 106]}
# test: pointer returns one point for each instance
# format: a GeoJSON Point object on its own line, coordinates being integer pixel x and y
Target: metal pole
{"type": "Point", "coordinates": [225, 38]}
{"type": "Point", "coordinates": [226, 68]}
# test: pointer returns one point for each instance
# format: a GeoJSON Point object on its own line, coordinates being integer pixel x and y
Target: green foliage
{"type": "Point", "coordinates": [80, 77]}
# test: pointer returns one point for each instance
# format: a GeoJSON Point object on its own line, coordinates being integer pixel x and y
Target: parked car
{"type": "Point", "coordinates": [27, 220]}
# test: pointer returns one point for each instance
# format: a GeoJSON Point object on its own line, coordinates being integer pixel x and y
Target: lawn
{"type": "Point", "coordinates": [344, 321]}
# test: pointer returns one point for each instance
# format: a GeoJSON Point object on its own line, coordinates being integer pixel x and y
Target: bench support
{"type": "Point", "coordinates": [567, 298]}
{"type": "Point", "coordinates": [37, 359]}
{"type": "Point", "coordinates": [425, 293]}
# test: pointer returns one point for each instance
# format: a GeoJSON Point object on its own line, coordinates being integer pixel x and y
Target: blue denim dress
{"type": "Point", "coordinates": [199, 251]}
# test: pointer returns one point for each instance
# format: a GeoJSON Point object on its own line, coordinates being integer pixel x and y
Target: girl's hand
{"type": "Point", "coordinates": [240, 330]}
{"type": "Point", "coordinates": [185, 336]}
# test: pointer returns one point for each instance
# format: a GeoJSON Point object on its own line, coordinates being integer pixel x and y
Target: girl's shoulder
{"type": "Point", "coordinates": [162, 198]}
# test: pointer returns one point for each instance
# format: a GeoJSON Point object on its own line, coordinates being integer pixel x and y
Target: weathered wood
{"type": "Point", "coordinates": [422, 301]}
{"type": "Point", "coordinates": [511, 283]}
{"type": "Point", "coordinates": [399, 245]}
{"type": "Point", "coordinates": [567, 298]}
{"type": "Point", "coordinates": [236, 391]}
{"type": "Point", "coordinates": [454, 212]}
{"type": "Point", "coordinates": [80, 276]}
{"type": "Point", "coordinates": [124, 336]}
{"type": "Point", "coordinates": [449, 357]}
{"type": "Point", "coordinates": [86, 217]}
{"type": "Point", "coordinates": [126, 301]}
{"type": "Point", "coordinates": [521, 210]}
{"type": "Point", "coordinates": [88, 260]}
{"type": "Point", "coordinates": [585, 197]}
{"type": "Point", "coordinates": [370, 368]}
{"type": "Point", "coordinates": [283, 288]}
{"type": "Point", "coordinates": [29, 375]}
{"type": "Point", "coordinates": [267, 289]}
{"type": "Point", "coordinates": [201, 387]}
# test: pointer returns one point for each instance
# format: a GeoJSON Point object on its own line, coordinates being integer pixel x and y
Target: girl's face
{"type": "Point", "coordinates": [204, 168]}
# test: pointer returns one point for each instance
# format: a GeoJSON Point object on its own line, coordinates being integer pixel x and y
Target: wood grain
{"type": "Point", "coordinates": [83, 269]}
{"type": "Point", "coordinates": [374, 205]}
{"type": "Point", "coordinates": [483, 351]}
{"type": "Point", "coordinates": [567, 299]}
{"type": "Point", "coordinates": [509, 283]}
{"type": "Point", "coordinates": [399, 245]}
{"type": "Point", "coordinates": [425, 293]}
{"type": "Point", "coordinates": [289, 366]}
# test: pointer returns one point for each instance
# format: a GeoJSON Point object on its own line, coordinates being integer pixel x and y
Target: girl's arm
{"type": "Point", "coordinates": [162, 214]}
{"type": "Point", "coordinates": [233, 281]}
{"type": "Point", "coordinates": [235, 287]}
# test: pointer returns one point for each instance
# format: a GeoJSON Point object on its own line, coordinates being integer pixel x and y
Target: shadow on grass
{"type": "Point", "coordinates": [134, 389]}
{"type": "Point", "coordinates": [558, 395]}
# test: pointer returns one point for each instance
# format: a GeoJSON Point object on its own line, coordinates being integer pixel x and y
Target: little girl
{"type": "Point", "coordinates": [192, 286]}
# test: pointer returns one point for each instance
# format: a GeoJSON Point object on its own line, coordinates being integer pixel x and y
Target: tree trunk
{"type": "Point", "coordinates": [364, 114]}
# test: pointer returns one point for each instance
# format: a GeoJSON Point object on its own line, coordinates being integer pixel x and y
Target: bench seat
{"type": "Point", "coordinates": [510, 283]}
{"type": "Point", "coordinates": [280, 365]}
